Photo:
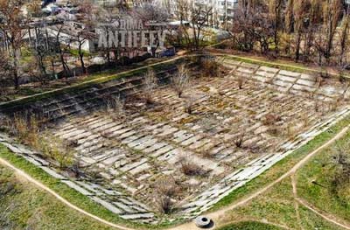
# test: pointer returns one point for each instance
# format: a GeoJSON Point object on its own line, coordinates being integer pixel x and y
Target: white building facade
{"type": "Point", "coordinates": [223, 10]}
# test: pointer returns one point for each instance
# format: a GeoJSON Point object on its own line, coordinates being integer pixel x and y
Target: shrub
{"type": "Point", "coordinates": [241, 81]}
{"type": "Point", "coordinates": [150, 83]}
{"type": "Point", "coordinates": [181, 79]}
{"type": "Point", "coordinates": [271, 119]}
{"type": "Point", "coordinates": [209, 67]}
{"type": "Point", "coordinates": [26, 129]}
{"type": "Point", "coordinates": [166, 188]}
{"type": "Point", "coordinates": [57, 150]}
{"type": "Point", "coordinates": [190, 168]}
{"type": "Point", "coordinates": [165, 204]}
{"type": "Point", "coordinates": [239, 140]}
{"type": "Point", "coordinates": [125, 60]}
{"type": "Point", "coordinates": [189, 105]}
{"type": "Point", "coordinates": [51, 147]}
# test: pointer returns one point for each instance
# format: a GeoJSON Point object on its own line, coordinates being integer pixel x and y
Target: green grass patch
{"type": "Point", "coordinates": [282, 166]}
{"type": "Point", "coordinates": [75, 197]}
{"type": "Point", "coordinates": [249, 225]}
{"type": "Point", "coordinates": [66, 192]}
{"type": "Point", "coordinates": [315, 183]}
{"type": "Point", "coordinates": [23, 206]}
{"type": "Point", "coordinates": [75, 52]}
{"type": "Point", "coordinates": [277, 206]}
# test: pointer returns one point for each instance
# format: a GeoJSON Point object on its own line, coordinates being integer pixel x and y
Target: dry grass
{"type": "Point", "coordinates": [150, 84]}
{"type": "Point", "coordinates": [166, 188]}
{"type": "Point", "coordinates": [241, 81]}
{"type": "Point", "coordinates": [210, 68]}
{"type": "Point", "coordinates": [239, 140]}
{"type": "Point", "coordinates": [116, 107]}
{"type": "Point", "coordinates": [189, 103]}
{"type": "Point", "coordinates": [271, 119]}
{"type": "Point", "coordinates": [27, 130]}
{"type": "Point", "coordinates": [189, 167]}
{"type": "Point", "coordinates": [181, 79]}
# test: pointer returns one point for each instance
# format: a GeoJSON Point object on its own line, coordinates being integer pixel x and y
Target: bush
{"type": "Point", "coordinates": [209, 67]}
{"type": "Point", "coordinates": [166, 189]}
{"type": "Point", "coordinates": [271, 119]}
{"type": "Point", "coordinates": [190, 168]}
{"type": "Point", "coordinates": [181, 80]}
{"type": "Point", "coordinates": [150, 83]}
{"type": "Point", "coordinates": [28, 132]}
{"type": "Point", "coordinates": [189, 103]}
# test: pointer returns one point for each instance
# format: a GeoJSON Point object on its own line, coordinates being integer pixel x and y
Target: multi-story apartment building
{"type": "Point", "coordinates": [222, 14]}
{"type": "Point", "coordinates": [222, 10]}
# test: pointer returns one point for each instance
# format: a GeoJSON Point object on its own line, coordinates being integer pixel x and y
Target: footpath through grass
{"type": "Point", "coordinates": [282, 166]}
{"type": "Point", "coordinates": [277, 206]}
{"type": "Point", "coordinates": [249, 225]}
{"type": "Point", "coordinates": [66, 192]}
{"type": "Point", "coordinates": [24, 206]}
{"type": "Point", "coordinates": [316, 182]}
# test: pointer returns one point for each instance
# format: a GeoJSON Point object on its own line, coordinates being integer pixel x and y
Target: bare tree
{"type": "Point", "coordinates": [62, 47]}
{"type": "Point", "coordinates": [275, 11]}
{"type": "Point", "coordinates": [5, 71]}
{"type": "Point", "coordinates": [199, 16]}
{"type": "Point", "coordinates": [332, 10]}
{"type": "Point", "coordinates": [253, 25]}
{"type": "Point", "coordinates": [149, 11]}
{"type": "Point", "coordinates": [81, 38]}
{"type": "Point", "coordinates": [344, 40]}
{"type": "Point", "coordinates": [12, 26]}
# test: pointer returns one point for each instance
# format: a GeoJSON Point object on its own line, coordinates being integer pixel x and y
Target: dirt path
{"type": "Point", "coordinates": [27, 177]}
{"type": "Point", "coordinates": [326, 216]}
{"type": "Point", "coordinates": [296, 203]}
{"type": "Point", "coordinates": [214, 215]}
{"type": "Point", "coordinates": [258, 221]}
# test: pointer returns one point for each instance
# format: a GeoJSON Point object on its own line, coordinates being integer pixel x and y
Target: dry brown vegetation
{"type": "Point", "coordinates": [209, 67]}
{"type": "Point", "coordinates": [303, 30]}
{"type": "Point", "coordinates": [166, 190]}
{"type": "Point", "coordinates": [150, 84]}
{"type": "Point", "coordinates": [27, 130]}
{"type": "Point", "coordinates": [181, 79]}
{"type": "Point", "coordinates": [271, 119]}
{"type": "Point", "coordinates": [189, 167]}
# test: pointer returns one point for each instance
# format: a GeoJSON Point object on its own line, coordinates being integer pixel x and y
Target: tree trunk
{"type": "Point", "coordinates": [82, 63]}
{"type": "Point", "coordinates": [81, 56]}
{"type": "Point", "coordinates": [297, 49]}
{"type": "Point", "coordinates": [15, 69]}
